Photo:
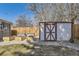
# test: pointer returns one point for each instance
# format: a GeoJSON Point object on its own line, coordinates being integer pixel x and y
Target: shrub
{"type": "Point", "coordinates": [13, 32]}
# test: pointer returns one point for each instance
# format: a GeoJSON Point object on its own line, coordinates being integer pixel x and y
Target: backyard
{"type": "Point", "coordinates": [49, 29]}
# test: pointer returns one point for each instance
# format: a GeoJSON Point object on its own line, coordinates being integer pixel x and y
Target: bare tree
{"type": "Point", "coordinates": [23, 21]}
{"type": "Point", "coordinates": [42, 11]}
{"type": "Point", "coordinates": [51, 12]}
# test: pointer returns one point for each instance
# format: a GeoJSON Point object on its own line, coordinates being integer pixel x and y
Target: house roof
{"type": "Point", "coordinates": [1, 20]}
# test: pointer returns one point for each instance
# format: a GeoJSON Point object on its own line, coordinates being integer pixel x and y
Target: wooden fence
{"type": "Point", "coordinates": [76, 31]}
{"type": "Point", "coordinates": [34, 30]}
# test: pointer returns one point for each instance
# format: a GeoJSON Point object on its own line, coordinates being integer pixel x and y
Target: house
{"type": "Point", "coordinates": [5, 28]}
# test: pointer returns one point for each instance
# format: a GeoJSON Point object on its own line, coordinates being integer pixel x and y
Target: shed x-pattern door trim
{"type": "Point", "coordinates": [50, 31]}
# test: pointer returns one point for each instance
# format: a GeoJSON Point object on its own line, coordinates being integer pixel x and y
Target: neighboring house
{"type": "Point", "coordinates": [5, 28]}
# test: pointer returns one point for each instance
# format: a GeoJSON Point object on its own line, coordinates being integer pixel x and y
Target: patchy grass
{"type": "Point", "coordinates": [15, 50]}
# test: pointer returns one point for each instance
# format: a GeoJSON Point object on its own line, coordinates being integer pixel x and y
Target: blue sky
{"type": "Point", "coordinates": [10, 11]}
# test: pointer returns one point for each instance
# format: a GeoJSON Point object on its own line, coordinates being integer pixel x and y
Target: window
{"type": "Point", "coordinates": [0, 26]}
